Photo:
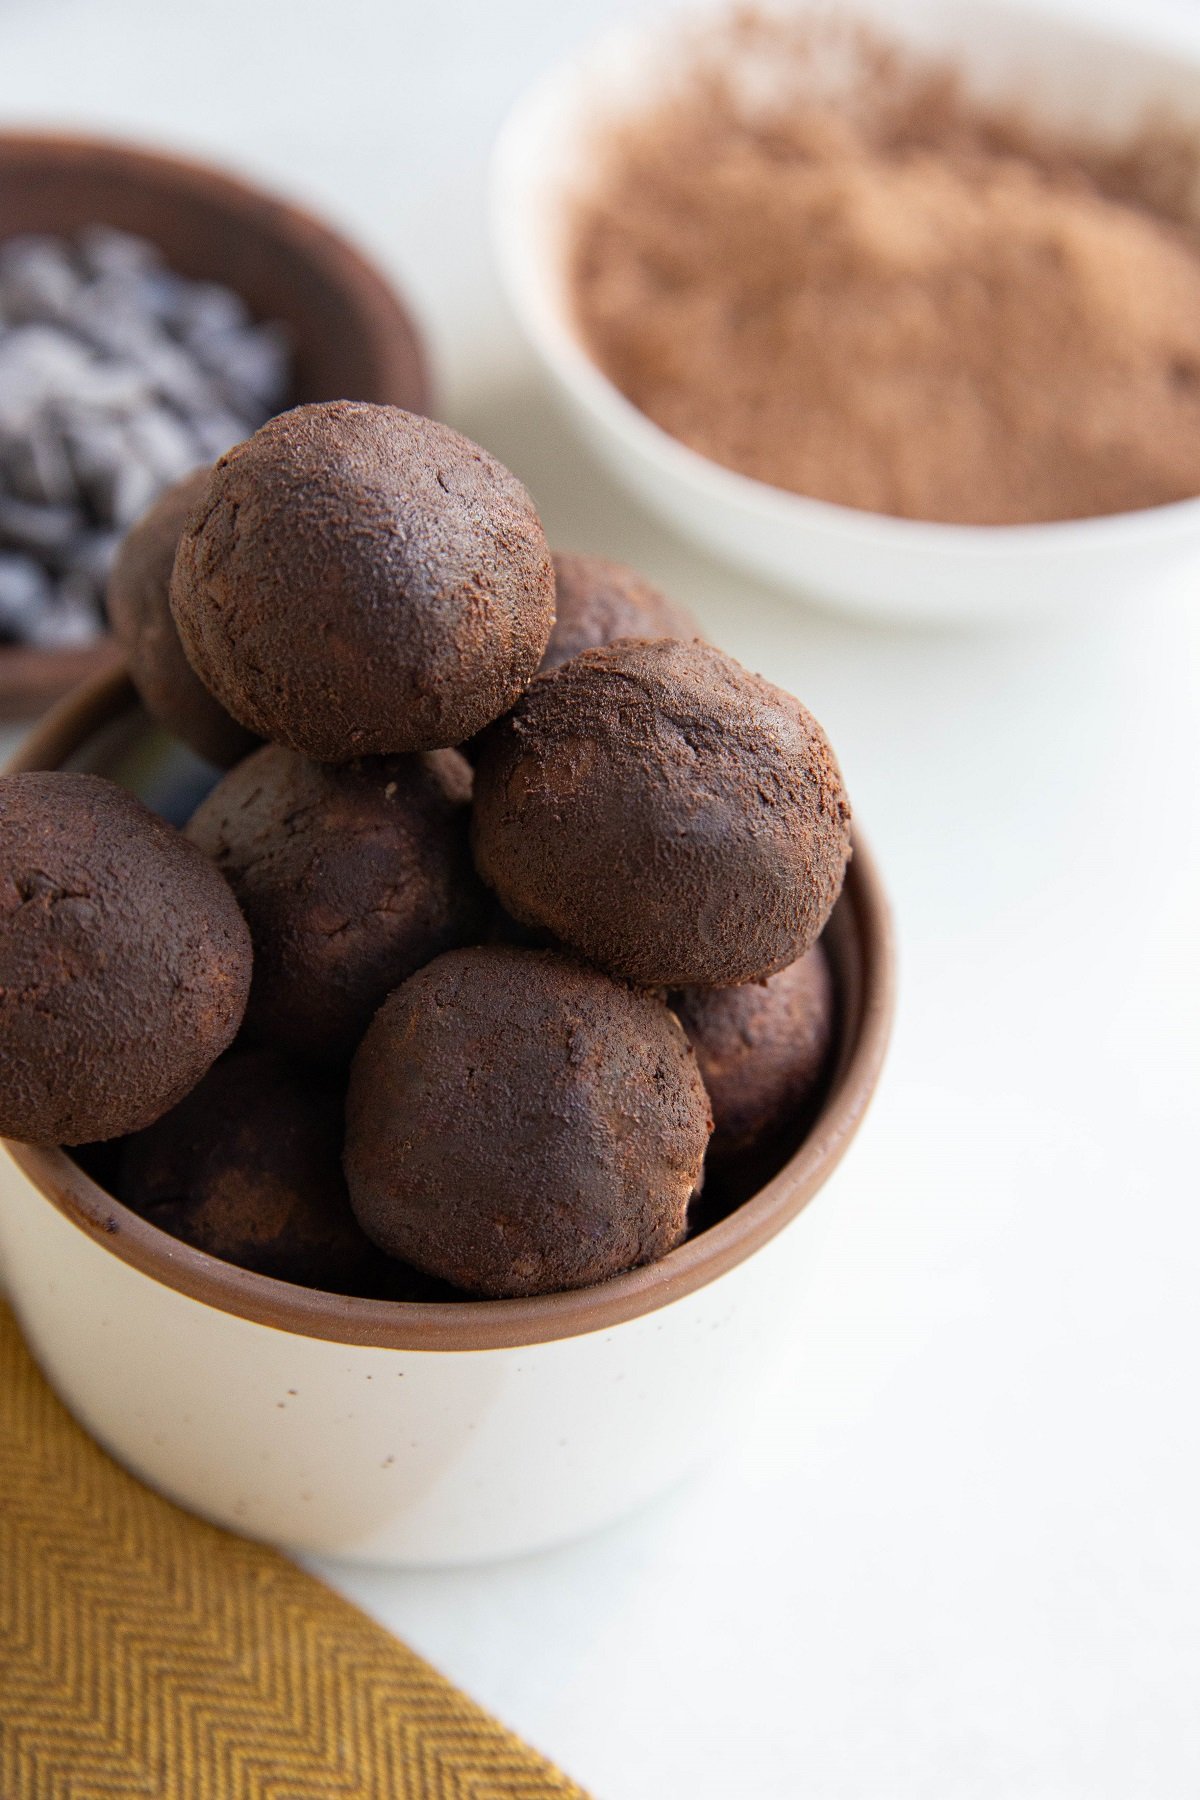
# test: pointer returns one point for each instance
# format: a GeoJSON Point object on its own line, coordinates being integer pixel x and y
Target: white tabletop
{"type": "Point", "coordinates": [955, 1553]}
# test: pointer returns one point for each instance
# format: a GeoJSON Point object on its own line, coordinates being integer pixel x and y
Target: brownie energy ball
{"type": "Point", "coordinates": [350, 877]}
{"type": "Point", "coordinates": [124, 961]}
{"type": "Point", "coordinates": [763, 1050]}
{"type": "Point", "coordinates": [518, 1123]}
{"type": "Point", "coordinates": [248, 1167]}
{"type": "Point", "coordinates": [357, 580]}
{"type": "Point", "coordinates": [674, 818]}
{"type": "Point", "coordinates": [597, 601]}
{"type": "Point", "coordinates": [139, 611]}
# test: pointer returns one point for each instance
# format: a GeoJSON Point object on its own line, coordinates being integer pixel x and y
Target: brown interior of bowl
{"type": "Point", "coordinates": [859, 941]}
{"type": "Point", "coordinates": [354, 338]}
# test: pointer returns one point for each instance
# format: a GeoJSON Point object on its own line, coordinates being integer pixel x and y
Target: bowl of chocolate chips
{"type": "Point", "coordinates": [153, 312]}
{"type": "Point", "coordinates": [416, 1133]}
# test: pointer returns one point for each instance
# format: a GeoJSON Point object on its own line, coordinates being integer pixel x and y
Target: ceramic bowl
{"type": "Point", "coordinates": [354, 338]}
{"type": "Point", "coordinates": [861, 562]}
{"type": "Point", "coordinates": [393, 1432]}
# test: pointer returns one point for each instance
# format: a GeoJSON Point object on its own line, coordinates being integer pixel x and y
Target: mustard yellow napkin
{"type": "Point", "coordinates": [145, 1653]}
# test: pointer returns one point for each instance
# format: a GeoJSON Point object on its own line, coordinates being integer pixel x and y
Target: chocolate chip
{"type": "Point", "coordinates": [103, 250]}
{"type": "Point", "coordinates": [44, 531]}
{"type": "Point", "coordinates": [24, 591]}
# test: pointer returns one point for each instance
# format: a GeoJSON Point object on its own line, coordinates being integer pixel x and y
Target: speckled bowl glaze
{"type": "Point", "coordinates": [397, 1433]}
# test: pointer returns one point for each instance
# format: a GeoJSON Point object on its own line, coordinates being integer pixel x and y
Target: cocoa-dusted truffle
{"type": "Point", "coordinates": [350, 877]}
{"type": "Point", "coordinates": [763, 1050]}
{"type": "Point", "coordinates": [139, 612]}
{"type": "Point", "coordinates": [597, 601]}
{"type": "Point", "coordinates": [358, 581]}
{"type": "Point", "coordinates": [518, 1123]}
{"type": "Point", "coordinates": [248, 1167]}
{"type": "Point", "coordinates": [124, 961]}
{"type": "Point", "coordinates": [655, 806]}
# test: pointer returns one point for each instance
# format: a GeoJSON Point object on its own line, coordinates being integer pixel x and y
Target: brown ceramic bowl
{"type": "Point", "coordinates": [403, 1432]}
{"type": "Point", "coordinates": [354, 338]}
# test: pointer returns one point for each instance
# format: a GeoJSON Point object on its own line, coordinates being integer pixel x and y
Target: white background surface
{"type": "Point", "coordinates": [956, 1552]}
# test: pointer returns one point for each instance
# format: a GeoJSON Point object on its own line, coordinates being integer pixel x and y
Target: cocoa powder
{"type": "Point", "coordinates": [824, 265]}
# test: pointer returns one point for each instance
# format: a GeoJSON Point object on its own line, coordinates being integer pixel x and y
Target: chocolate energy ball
{"type": "Point", "coordinates": [674, 818]}
{"type": "Point", "coordinates": [598, 601]}
{"type": "Point", "coordinates": [248, 1167]}
{"type": "Point", "coordinates": [518, 1123]}
{"type": "Point", "coordinates": [124, 961]}
{"type": "Point", "coordinates": [763, 1050]}
{"type": "Point", "coordinates": [139, 612]}
{"type": "Point", "coordinates": [350, 878]}
{"type": "Point", "coordinates": [359, 581]}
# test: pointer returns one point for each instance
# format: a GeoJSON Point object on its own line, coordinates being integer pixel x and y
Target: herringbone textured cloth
{"type": "Point", "coordinates": [143, 1653]}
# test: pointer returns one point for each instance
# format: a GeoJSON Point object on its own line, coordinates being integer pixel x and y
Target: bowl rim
{"type": "Point", "coordinates": [547, 327]}
{"type": "Point", "coordinates": [394, 340]}
{"type": "Point", "coordinates": [475, 1325]}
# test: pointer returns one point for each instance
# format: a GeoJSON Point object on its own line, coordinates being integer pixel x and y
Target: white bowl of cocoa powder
{"type": "Point", "coordinates": [902, 313]}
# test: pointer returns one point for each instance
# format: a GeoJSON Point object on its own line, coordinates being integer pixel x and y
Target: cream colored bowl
{"type": "Point", "coordinates": [392, 1432]}
{"type": "Point", "coordinates": [896, 569]}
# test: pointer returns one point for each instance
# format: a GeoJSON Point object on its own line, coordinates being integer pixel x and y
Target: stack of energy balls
{"type": "Point", "coordinates": [388, 1017]}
